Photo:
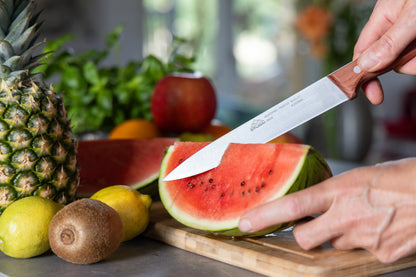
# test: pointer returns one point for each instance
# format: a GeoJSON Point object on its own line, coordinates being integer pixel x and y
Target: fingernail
{"type": "Point", "coordinates": [368, 60]}
{"type": "Point", "coordinates": [244, 225]}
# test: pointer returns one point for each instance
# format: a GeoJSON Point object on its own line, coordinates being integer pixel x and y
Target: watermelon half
{"type": "Point", "coordinates": [249, 175]}
{"type": "Point", "coordinates": [130, 162]}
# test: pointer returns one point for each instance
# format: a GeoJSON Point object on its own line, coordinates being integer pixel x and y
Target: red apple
{"type": "Point", "coordinates": [183, 102]}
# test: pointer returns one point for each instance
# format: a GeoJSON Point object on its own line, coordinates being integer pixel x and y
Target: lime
{"type": "Point", "coordinates": [24, 226]}
{"type": "Point", "coordinates": [132, 206]}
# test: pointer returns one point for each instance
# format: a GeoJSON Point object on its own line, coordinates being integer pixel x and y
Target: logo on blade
{"type": "Point", "coordinates": [256, 124]}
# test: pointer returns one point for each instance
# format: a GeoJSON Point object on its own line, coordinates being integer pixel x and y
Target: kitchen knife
{"type": "Point", "coordinates": [328, 92]}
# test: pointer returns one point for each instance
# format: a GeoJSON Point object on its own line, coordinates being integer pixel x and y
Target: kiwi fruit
{"type": "Point", "coordinates": [85, 231]}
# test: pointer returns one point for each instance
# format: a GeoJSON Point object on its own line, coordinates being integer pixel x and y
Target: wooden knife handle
{"type": "Point", "coordinates": [350, 77]}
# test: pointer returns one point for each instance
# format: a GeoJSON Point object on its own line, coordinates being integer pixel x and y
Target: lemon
{"type": "Point", "coordinates": [24, 226]}
{"type": "Point", "coordinates": [132, 206]}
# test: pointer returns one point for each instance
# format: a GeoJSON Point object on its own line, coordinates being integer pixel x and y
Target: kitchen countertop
{"type": "Point", "coordinates": [143, 257]}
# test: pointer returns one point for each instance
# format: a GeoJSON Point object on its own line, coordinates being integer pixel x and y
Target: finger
{"type": "Point", "coordinates": [408, 68]}
{"type": "Point", "coordinates": [321, 232]}
{"type": "Point", "coordinates": [393, 247]}
{"type": "Point", "coordinates": [291, 207]}
{"type": "Point", "coordinates": [349, 211]}
{"type": "Point", "coordinates": [313, 200]}
{"type": "Point", "coordinates": [376, 26]}
{"type": "Point", "coordinates": [374, 91]}
{"type": "Point", "coordinates": [392, 42]}
{"type": "Point", "coordinates": [359, 227]}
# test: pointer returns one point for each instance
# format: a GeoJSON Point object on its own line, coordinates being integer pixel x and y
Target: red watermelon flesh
{"type": "Point", "coordinates": [131, 162]}
{"type": "Point", "coordinates": [249, 175]}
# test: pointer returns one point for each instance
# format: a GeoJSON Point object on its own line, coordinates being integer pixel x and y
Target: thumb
{"type": "Point", "coordinates": [389, 46]}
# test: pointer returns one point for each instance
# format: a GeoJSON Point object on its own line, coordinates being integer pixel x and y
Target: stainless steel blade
{"type": "Point", "coordinates": [279, 119]}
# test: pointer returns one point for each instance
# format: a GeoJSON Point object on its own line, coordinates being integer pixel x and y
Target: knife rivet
{"type": "Point", "coordinates": [357, 69]}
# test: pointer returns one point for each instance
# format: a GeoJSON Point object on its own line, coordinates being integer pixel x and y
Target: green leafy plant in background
{"type": "Point", "coordinates": [99, 97]}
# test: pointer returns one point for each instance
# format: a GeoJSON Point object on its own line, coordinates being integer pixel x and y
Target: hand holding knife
{"type": "Point", "coordinates": [326, 93]}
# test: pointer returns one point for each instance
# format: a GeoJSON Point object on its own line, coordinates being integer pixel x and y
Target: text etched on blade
{"type": "Point", "coordinates": [256, 124]}
{"type": "Point", "coordinates": [269, 115]}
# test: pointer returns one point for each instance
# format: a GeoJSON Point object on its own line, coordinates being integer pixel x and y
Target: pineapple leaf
{"type": "Point", "coordinates": [6, 49]}
{"type": "Point", "coordinates": [4, 20]}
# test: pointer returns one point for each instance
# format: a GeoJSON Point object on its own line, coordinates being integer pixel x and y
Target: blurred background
{"type": "Point", "coordinates": [256, 53]}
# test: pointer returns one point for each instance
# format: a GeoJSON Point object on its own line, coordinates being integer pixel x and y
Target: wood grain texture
{"type": "Point", "coordinates": [350, 80]}
{"type": "Point", "coordinates": [274, 255]}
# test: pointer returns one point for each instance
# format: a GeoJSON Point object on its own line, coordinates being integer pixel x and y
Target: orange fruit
{"type": "Point", "coordinates": [135, 128]}
{"type": "Point", "coordinates": [216, 129]}
{"type": "Point", "coordinates": [286, 138]}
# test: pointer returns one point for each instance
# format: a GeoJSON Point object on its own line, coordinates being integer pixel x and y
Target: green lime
{"type": "Point", "coordinates": [24, 226]}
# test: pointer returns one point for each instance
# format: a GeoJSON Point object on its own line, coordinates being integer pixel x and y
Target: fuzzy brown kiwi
{"type": "Point", "coordinates": [85, 231]}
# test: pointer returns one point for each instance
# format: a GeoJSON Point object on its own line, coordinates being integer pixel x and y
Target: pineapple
{"type": "Point", "coordinates": [37, 152]}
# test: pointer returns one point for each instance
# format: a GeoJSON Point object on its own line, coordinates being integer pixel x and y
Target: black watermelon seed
{"type": "Point", "coordinates": [211, 180]}
{"type": "Point", "coordinates": [270, 172]}
{"type": "Point", "coordinates": [222, 194]}
{"type": "Point", "coordinates": [242, 193]}
{"type": "Point", "coordinates": [243, 183]}
{"type": "Point", "coordinates": [263, 185]}
{"type": "Point", "coordinates": [257, 189]}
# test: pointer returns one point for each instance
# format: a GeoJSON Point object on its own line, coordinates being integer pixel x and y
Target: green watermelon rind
{"type": "Point", "coordinates": [314, 168]}
{"type": "Point", "coordinates": [149, 187]}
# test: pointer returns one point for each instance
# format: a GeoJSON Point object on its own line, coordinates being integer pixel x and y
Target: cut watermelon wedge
{"type": "Point", "coordinates": [130, 162]}
{"type": "Point", "coordinates": [249, 175]}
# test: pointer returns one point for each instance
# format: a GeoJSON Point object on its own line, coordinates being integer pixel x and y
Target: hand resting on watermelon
{"type": "Point", "coordinates": [370, 207]}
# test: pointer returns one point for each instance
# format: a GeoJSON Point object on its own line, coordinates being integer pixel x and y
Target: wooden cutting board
{"type": "Point", "coordinates": [274, 255]}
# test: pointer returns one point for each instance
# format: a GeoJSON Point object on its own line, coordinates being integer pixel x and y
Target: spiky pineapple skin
{"type": "Point", "coordinates": [37, 152]}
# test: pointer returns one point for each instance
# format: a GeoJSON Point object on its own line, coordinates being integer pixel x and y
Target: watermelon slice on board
{"type": "Point", "coordinates": [249, 175]}
{"type": "Point", "coordinates": [130, 162]}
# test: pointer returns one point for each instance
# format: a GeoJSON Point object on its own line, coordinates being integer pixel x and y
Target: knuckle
{"type": "Point", "coordinates": [386, 257]}
{"type": "Point", "coordinates": [387, 48]}
{"type": "Point", "coordinates": [301, 238]}
{"type": "Point", "coordinates": [389, 255]}
{"type": "Point", "coordinates": [294, 208]}
{"type": "Point", "coordinates": [387, 42]}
